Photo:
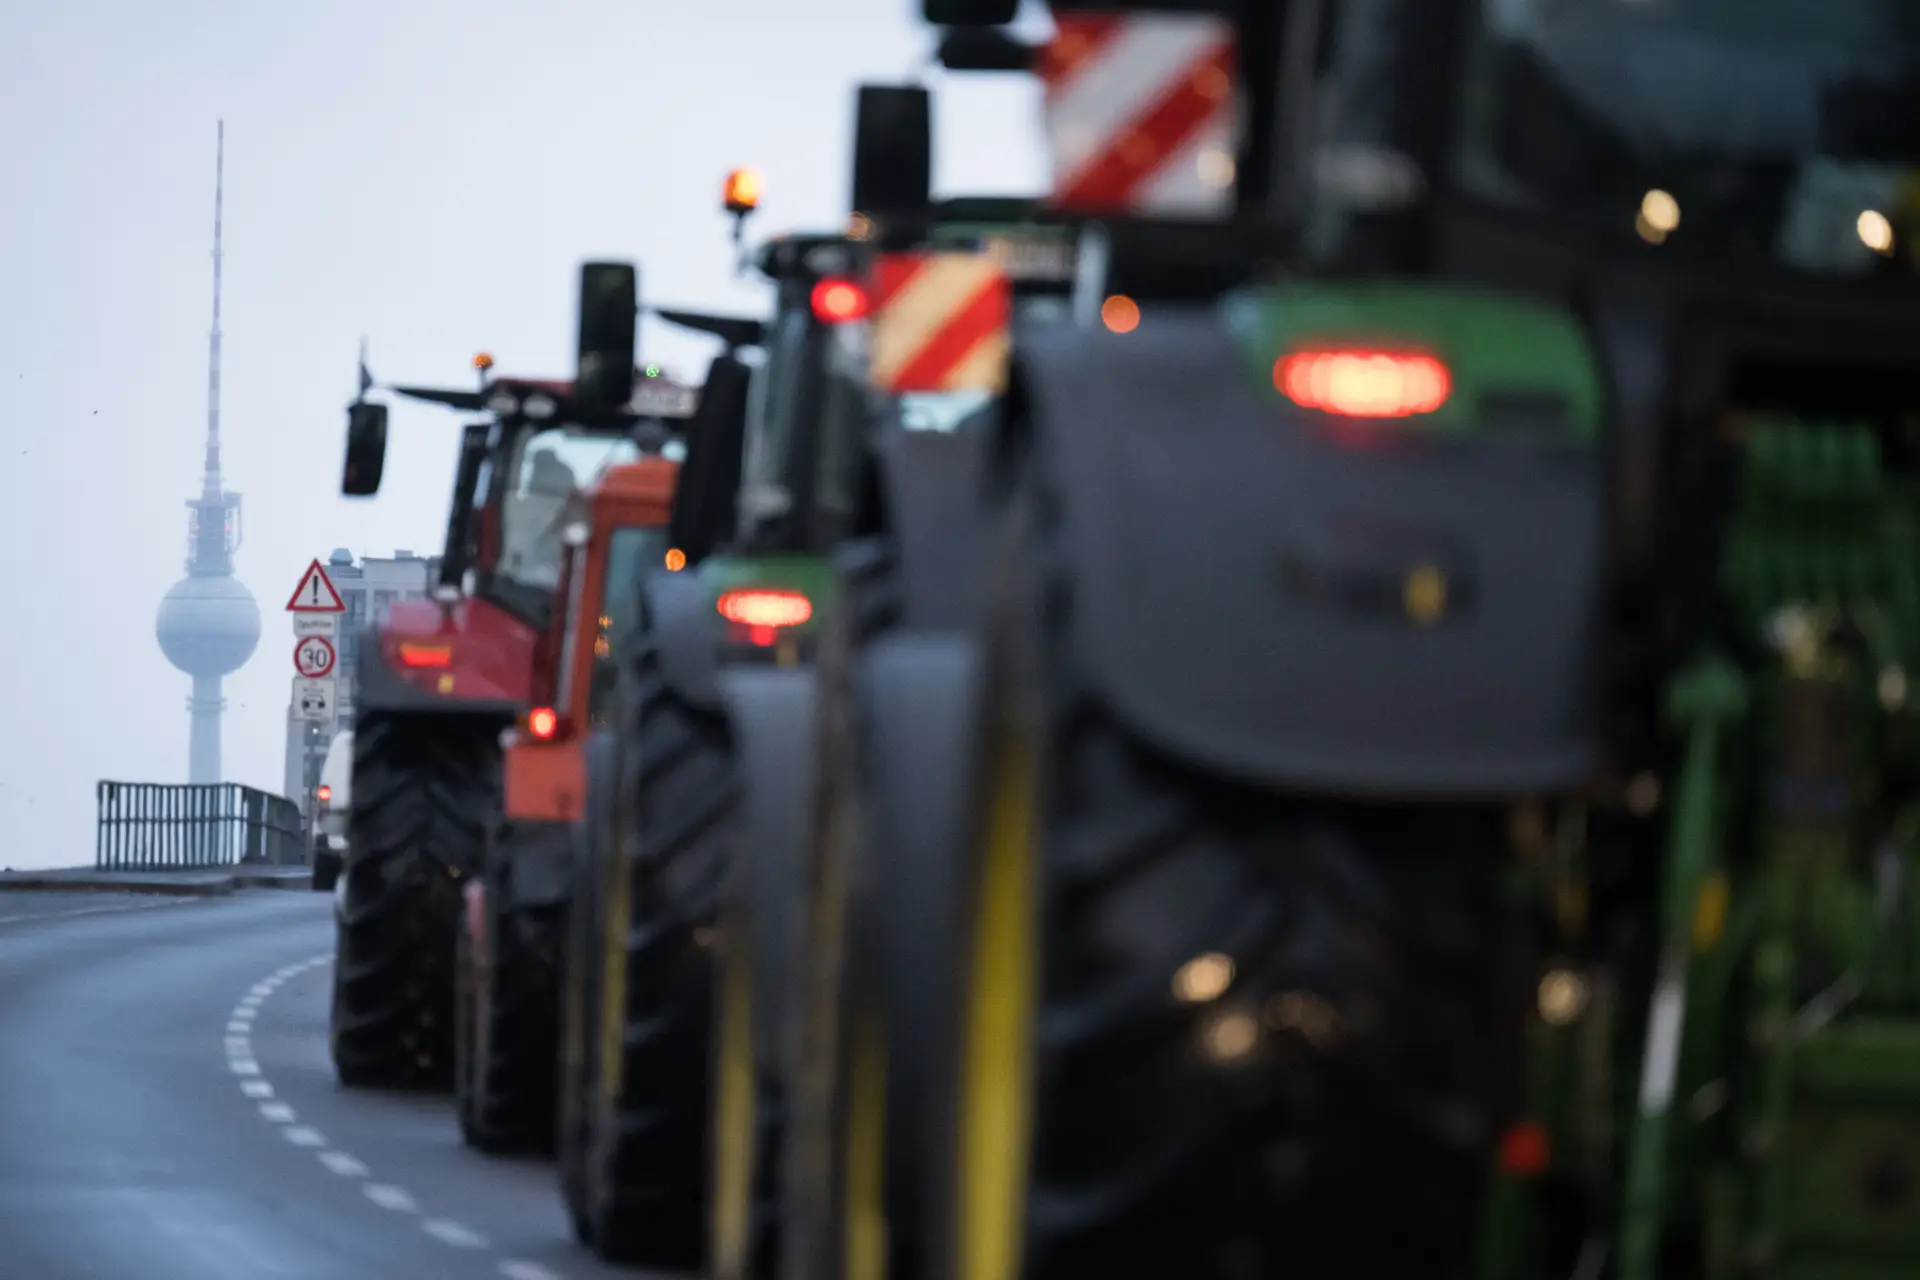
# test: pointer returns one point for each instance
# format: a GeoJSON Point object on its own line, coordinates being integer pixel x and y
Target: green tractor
{"type": "Point", "coordinates": [702, 795]}
{"type": "Point", "coordinates": [1429, 784]}
{"type": "Point", "coordinates": [749, 517]}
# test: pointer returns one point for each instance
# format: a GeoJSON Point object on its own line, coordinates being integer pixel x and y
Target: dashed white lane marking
{"type": "Point", "coordinates": [389, 1197]}
{"type": "Point", "coordinates": [454, 1234]}
{"type": "Point", "coordinates": [242, 1062]}
{"type": "Point", "coordinates": [117, 909]}
{"type": "Point", "coordinates": [343, 1164]}
{"type": "Point", "coordinates": [517, 1270]}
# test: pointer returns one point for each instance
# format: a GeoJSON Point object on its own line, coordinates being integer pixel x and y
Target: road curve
{"type": "Point", "coordinates": [167, 1111]}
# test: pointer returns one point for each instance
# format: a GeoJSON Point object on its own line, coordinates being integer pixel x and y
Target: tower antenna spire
{"type": "Point", "coordinates": [210, 485]}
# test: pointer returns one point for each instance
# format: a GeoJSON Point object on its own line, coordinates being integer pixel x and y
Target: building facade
{"type": "Point", "coordinates": [368, 587]}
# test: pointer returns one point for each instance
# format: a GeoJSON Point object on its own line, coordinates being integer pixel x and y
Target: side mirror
{"type": "Point", "coordinates": [969, 13]}
{"type": "Point", "coordinates": [608, 326]}
{"type": "Point", "coordinates": [985, 49]}
{"type": "Point", "coordinates": [892, 150]}
{"type": "Point", "coordinates": [366, 449]}
{"type": "Point", "coordinates": [706, 499]}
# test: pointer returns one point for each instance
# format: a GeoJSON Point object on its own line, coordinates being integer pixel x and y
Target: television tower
{"type": "Point", "coordinates": [209, 624]}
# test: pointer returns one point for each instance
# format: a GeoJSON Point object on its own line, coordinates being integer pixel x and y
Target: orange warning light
{"type": "Point", "coordinates": [1120, 313]}
{"type": "Point", "coordinates": [743, 191]}
{"type": "Point", "coordinates": [483, 362]}
{"type": "Point", "coordinates": [676, 560]}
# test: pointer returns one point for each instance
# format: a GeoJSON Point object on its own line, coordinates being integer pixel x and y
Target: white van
{"type": "Point", "coordinates": [334, 802]}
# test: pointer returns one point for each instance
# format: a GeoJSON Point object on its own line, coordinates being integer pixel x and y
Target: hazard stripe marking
{"type": "Point", "coordinates": [940, 323]}
{"type": "Point", "coordinates": [1142, 113]}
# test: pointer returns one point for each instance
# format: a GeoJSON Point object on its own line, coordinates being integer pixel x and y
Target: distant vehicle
{"type": "Point", "coordinates": [330, 821]}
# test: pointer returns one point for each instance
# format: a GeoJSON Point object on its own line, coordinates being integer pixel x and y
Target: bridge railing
{"type": "Point", "coordinates": [156, 826]}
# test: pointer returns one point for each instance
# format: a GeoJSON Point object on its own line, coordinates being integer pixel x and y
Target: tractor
{"type": "Point", "coordinates": [715, 692]}
{"type": "Point", "coordinates": [1428, 782]}
{"type": "Point", "coordinates": [511, 939]}
{"type": "Point", "coordinates": [437, 681]}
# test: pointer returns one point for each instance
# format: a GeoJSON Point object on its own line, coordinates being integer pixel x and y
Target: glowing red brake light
{"type": "Point", "coordinates": [543, 723]}
{"type": "Point", "coordinates": [763, 611]}
{"type": "Point", "coordinates": [325, 793]}
{"type": "Point", "coordinates": [837, 301]}
{"type": "Point", "coordinates": [426, 655]}
{"type": "Point", "coordinates": [1364, 384]}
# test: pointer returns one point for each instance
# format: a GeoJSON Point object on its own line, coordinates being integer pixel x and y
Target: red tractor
{"type": "Point", "coordinates": [436, 682]}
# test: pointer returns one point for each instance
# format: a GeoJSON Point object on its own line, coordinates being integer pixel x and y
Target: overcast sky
{"type": "Point", "coordinates": [423, 172]}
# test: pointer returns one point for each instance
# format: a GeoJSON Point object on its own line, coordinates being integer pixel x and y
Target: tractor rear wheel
{"type": "Point", "coordinates": [423, 787]}
{"type": "Point", "coordinates": [643, 1189]}
{"type": "Point", "coordinates": [1200, 1028]}
{"type": "Point", "coordinates": [506, 1074]}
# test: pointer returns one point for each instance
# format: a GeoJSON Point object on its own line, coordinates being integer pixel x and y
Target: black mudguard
{"type": "Point", "coordinates": [1238, 573]}
{"type": "Point", "coordinates": [931, 485]}
{"type": "Point", "coordinates": [920, 698]}
{"type": "Point", "coordinates": [378, 687]}
{"type": "Point", "coordinates": [772, 715]}
{"type": "Point", "coordinates": [537, 863]}
{"type": "Point", "coordinates": [681, 620]}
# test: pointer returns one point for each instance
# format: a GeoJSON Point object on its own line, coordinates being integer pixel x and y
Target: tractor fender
{"type": "Point", "coordinates": [688, 633]}
{"type": "Point", "coordinates": [1241, 574]}
{"type": "Point", "coordinates": [931, 489]}
{"type": "Point", "coordinates": [771, 712]}
{"type": "Point", "coordinates": [378, 687]}
{"type": "Point", "coordinates": [920, 699]}
{"type": "Point", "coordinates": [593, 834]}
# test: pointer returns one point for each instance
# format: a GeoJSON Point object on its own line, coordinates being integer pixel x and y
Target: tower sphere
{"type": "Point", "coordinates": [208, 626]}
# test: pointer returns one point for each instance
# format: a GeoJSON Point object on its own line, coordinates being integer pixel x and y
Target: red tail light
{"type": "Point", "coordinates": [543, 723]}
{"type": "Point", "coordinates": [426, 655]}
{"type": "Point", "coordinates": [1363, 383]}
{"type": "Point", "coordinates": [1524, 1150]}
{"type": "Point", "coordinates": [325, 793]}
{"type": "Point", "coordinates": [764, 611]}
{"type": "Point", "coordinates": [837, 301]}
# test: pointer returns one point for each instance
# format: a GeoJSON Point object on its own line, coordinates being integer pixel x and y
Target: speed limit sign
{"type": "Point", "coordinates": [313, 657]}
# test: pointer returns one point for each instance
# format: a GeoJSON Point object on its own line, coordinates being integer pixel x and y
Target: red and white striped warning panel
{"type": "Point", "coordinates": [941, 322]}
{"type": "Point", "coordinates": [1143, 113]}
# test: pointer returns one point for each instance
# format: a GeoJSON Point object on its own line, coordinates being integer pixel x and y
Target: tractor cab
{"type": "Point", "coordinates": [516, 473]}
{"type": "Point", "coordinates": [756, 524]}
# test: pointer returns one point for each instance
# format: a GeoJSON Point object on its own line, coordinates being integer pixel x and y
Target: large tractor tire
{"type": "Point", "coordinates": [640, 1195]}
{"type": "Point", "coordinates": [424, 787]}
{"type": "Point", "coordinates": [843, 1181]}
{"type": "Point", "coordinates": [1150, 1021]}
{"type": "Point", "coordinates": [506, 1050]}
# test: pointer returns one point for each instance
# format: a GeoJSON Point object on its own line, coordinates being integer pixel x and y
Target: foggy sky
{"type": "Point", "coordinates": [426, 173]}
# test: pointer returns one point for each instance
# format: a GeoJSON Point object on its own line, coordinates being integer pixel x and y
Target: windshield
{"type": "Point", "coordinates": [1783, 130]}
{"type": "Point", "coordinates": [548, 466]}
{"type": "Point", "coordinates": [630, 554]}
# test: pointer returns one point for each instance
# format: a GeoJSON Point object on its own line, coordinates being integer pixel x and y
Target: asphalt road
{"type": "Point", "coordinates": [168, 1112]}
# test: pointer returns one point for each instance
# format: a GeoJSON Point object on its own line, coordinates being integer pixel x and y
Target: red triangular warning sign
{"type": "Point", "coordinates": [315, 594]}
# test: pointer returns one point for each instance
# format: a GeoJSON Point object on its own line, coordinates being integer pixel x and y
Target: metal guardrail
{"type": "Point", "coordinates": [156, 826]}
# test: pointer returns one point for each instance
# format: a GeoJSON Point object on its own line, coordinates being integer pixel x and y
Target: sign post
{"type": "Point", "coordinates": [316, 607]}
